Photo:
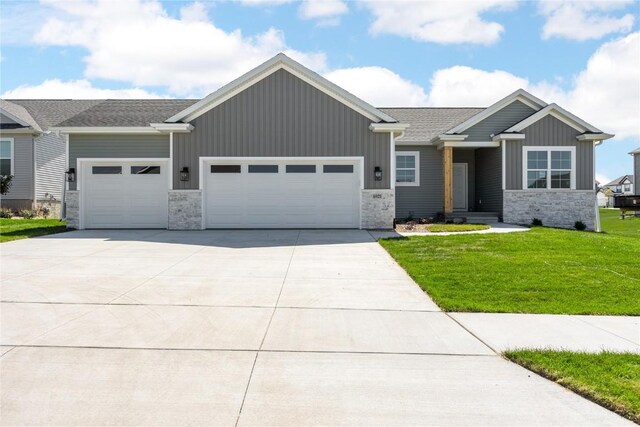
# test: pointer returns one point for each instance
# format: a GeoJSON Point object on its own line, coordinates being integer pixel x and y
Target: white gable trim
{"type": "Point", "coordinates": [519, 95]}
{"type": "Point", "coordinates": [560, 114]}
{"type": "Point", "coordinates": [14, 118]}
{"type": "Point", "coordinates": [278, 62]}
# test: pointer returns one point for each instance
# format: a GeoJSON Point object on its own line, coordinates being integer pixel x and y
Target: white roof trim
{"type": "Point", "coordinates": [519, 95]}
{"type": "Point", "coordinates": [280, 61]}
{"type": "Point", "coordinates": [468, 144]}
{"type": "Point", "coordinates": [106, 129]}
{"type": "Point", "coordinates": [447, 137]}
{"type": "Point", "coordinates": [388, 127]}
{"type": "Point", "coordinates": [173, 127]}
{"type": "Point", "coordinates": [508, 136]}
{"type": "Point", "coordinates": [634, 152]}
{"type": "Point", "coordinates": [559, 113]}
{"type": "Point", "coordinates": [16, 118]}
{"type": "Point", "coordinates": [594, 136]}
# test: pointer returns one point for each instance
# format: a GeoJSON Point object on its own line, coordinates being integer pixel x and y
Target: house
{"type": "Point", "coordinates": [636, 170]}
{"type": "Point", "coordinates": [621, 186]}
{"type": "Point", "coordinates": [282, 147]}
{"type": "Point", "coordinates": [32, 154]}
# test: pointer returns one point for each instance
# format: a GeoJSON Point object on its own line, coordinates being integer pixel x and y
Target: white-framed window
{"type": "Point", "coordinates": [551, 168]}
{"type": "Point", "coordinates": [6, 156]}
{"type": "Point", "coordinates": [627, 187]}
{"type": "Point", "coordinates": [407, 168]}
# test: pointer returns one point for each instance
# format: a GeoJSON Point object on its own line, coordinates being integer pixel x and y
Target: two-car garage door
{"type": "Point", "coordinates": [282, 193]}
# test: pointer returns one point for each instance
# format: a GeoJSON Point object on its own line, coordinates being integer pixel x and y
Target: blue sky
{"type": "Point", "coordinates": [584, 56]}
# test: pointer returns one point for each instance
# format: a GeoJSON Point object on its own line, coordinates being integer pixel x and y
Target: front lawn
{"type": "Point", "coordinates": [612, 224]}
{"type": "Point", "coordinates": [610, 379]}
{"type": "Point", "coordinates": [543, 270]}
{"type": "Point", "coordinates": [441, 228]}
{"type": "Point", "coordinates": [13, 229]}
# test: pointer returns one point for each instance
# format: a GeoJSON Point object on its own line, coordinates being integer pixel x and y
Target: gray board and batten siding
{"type": "Point", "coordinates": [282, 116]}
{"type": "Point", "coordinates": [498, 122]}
{"type": "Point", "coordinates": [87, 146]}
{"type": "Point", "coordinates": [549, 131]}
{"type": "Point", "coordinates": [488, 180]}
{"type": "Point", "coordinates": [636, 173]}
{"type": "Point", "coordinates": [424, 200]}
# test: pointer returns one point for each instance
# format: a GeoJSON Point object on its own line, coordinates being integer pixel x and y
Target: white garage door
{"type": "Point", "coordinates": [124, 194]}
{"type": "Point", "coordinates": [282, 194]}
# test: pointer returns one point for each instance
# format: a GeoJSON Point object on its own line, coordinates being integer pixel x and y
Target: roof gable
{"type": "Point", "coordinates": [559, 113]}
{"type": "Point", "coordinates": [278, 62]}
{"type": "Point", "coordinates": [520, 95]}
{"type": "Point", "coordinates": [18, 114]}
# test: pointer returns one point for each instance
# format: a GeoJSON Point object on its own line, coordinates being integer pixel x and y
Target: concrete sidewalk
{"type": "Point", "coordinates": [254, 327]}
{"type": "Point", "coordinates": [506, 331]}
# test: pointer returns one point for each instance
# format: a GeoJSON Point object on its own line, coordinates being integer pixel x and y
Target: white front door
{"type": "Point", "coordinates": [460, 186]}
{"type": "Point", "coordinates": [282, 193]}
{"type": "Point", "coordinates": [124, 194]}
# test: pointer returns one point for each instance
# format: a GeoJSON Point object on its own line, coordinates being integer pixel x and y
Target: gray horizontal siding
{"type": "Point", "coordinates": [424, 200]}
{"type": "Point", "coordinates": [499, 121]}
{"type": "Point", "coordinates": [461, 155]}
{"type": "Point", "coordinates": [550, 131]}
{"type": "Point", "coordinates": [22, 183]}
{"type": "Point", "coordinates": [282, 116]}
{"type": "Point", "coordinates": [488, 179]}
{"type": "Point", "coordinates": [50, 165]}
{"type": "Point", "coordinates": [116, 146]}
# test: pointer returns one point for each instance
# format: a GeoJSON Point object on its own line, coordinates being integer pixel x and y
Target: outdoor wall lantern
{"type": "Point", "coordinates": [71, 175]}
{"type": "Point", "coordinates": [377, 173]}
{"type": "Point", "coordinates": [184, 174]}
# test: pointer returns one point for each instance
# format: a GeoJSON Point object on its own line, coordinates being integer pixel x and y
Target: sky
{"type": "Point", "coordinates": [582, 55]}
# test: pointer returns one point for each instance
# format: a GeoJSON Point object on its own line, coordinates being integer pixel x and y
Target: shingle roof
{"type": "Point", "coordinates": [427, 123]}
{"type": "Point", "coordinates": [50, 112]}
{"type": "Point", "coordinates": [618, 181]}
{"type": "Point", "coordinates": [20, 113]}
{"type": "Point", "coordinates": [128, 112]}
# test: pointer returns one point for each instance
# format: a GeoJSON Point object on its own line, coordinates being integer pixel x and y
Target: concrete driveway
{"type": "Point", "coordinates": [249, 328]}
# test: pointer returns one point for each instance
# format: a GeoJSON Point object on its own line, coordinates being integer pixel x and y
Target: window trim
{"type": "Point", "coordinates": [548, 149]}
{"type": "Point", "coordinates": [416, 155]}
{"type": "Point", "coordinates": [11, 158]}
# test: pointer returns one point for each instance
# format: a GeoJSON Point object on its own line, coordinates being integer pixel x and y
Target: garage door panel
{"type": "Point", "coordinates": [137, 197]}
{"type": "Point", "coordinates": [298, 196]}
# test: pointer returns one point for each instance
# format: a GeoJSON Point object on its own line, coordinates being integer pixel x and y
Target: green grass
{"type": "Point", "coordinates": [612, 224]}
{"type": "Point", "coordinates": [453, 228]}
{"type": "Point", "coordinates": [612, 380]}
{"type": "Point", "coordinates": [543, 270]}
{"type": "Point", "coordinates": [14, 229]}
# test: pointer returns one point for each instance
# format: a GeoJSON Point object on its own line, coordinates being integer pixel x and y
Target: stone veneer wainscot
{"type": "Point", "coordinates": [554, 208]}
{"type": "Point", "coordinates": [378, 209]}
{"type": "Point", "coordinates": [185, 210]}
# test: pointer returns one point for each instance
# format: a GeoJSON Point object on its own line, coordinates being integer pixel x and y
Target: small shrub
{"type": "Point", "coordinates": [536, 222]}
{"type": "Point", "coordinates": [27, 213]}
{"type": "Point", "coordinates": [6, 213]}
{"type": "Point", "coordinates": [44, 211]}
{"type": "Point", "coordinates": [5, 183]}
{"type": "Point", "coordinates": [410, 217]}
{"type": "Point", "coordinates": [580, 226]}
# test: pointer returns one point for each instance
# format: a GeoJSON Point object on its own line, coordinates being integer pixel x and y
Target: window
{"type": "Point", "coordinates": [627, 187]}
{"type": "Point", "coordinates": [549, 168]}
{"type": "Point", "coordinates": [301, 168]}
{"type": "Point", "coordinates": [337, 168]}
{"type": "Point", "coordinates": [225, 168]}
{"type": "Point", "coordinates": [145, 170]}
{"type": "Point", "coordinates": [6, 156]}
{"type": "Point", "coordinates": [106, 170]}
{"type": "Point", "coordinates": [408, 168]}
{"type": "Point", "coordinates": [263, 168]}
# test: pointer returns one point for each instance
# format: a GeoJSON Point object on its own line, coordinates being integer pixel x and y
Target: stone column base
{"type": "Point", "coordinates": [185, 210]}
{"type": "Point", "coordinates": [554, 208]}
{"type": "Point", "coordinates": [72, 199]}
{"type": "Point", "coordinates": [377, 209]}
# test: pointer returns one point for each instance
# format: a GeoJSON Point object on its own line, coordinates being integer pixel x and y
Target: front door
{"type": "Point", "coordinates": [460, 186]}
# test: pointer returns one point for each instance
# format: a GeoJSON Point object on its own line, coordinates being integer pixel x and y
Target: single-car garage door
{"type": "Point", "coordinates": [124, 194]}
{"type": "Point", "coordinates": [298, 193]}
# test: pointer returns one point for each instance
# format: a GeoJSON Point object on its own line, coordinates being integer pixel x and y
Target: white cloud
{"type": "Point", "coordinates": [439, 21]}
{"type": "Point", "coordinates": [584, 20]}
{"type": "Point", "coordinates": [265, 2]}
{"type": "Point", "coordinates": [76, 89]}
{"type": "Point", "coordinates": [138, 42]}
{"type": "Point", "coordinates": [325, 10]}
{"type": "Point", "coordinates": [379, 86]}
{"type": "Point", "coordinates": [603, 179]}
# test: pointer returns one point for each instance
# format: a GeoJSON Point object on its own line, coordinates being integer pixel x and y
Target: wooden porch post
{"type": "Point", "coordinates": [447, 168]}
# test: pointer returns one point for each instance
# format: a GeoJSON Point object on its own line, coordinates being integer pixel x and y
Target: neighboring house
{"type": "Point", "coordinates": [603, 197]}
{"type": "Point", "coordinates": [636, 170]}
{"type": "Point", "coordinates": [282, 147]}
{"type": "Point", "coordinates": [621, 186]}
{"type": "Point", "coordinates": [34, 155]}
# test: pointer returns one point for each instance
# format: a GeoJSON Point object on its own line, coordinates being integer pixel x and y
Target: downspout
{"type": "Point", "coordinates": [597, 226]}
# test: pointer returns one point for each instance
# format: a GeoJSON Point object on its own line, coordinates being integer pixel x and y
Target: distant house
{"type": "Point", "coordinates": [636, 170]}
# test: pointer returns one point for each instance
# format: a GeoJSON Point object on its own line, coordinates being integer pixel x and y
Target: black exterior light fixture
{"type": "Point", "coordinates": [377, 173]}
{"type": "Point", "coordinates": [184, 174]}
{"type": "Point", "coordinates": [71, 175]}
